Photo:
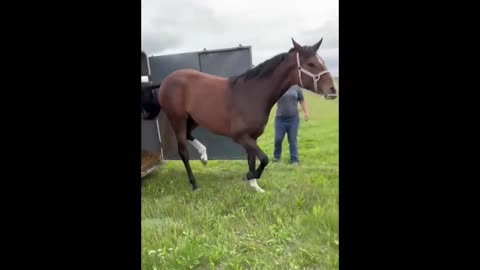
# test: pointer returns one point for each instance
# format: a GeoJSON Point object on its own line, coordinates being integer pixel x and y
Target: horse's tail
{"type": "Point", "coordinates": [149, 87]}
{"type": "Point", "coordinates": [150, 106]}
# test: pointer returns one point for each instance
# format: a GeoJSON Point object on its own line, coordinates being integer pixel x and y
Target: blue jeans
{"type": "Point", "coordinates": [287, 125]}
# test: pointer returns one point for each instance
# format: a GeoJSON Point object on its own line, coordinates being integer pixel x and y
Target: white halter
{"type": "Point", "coordinates": [315, 77]}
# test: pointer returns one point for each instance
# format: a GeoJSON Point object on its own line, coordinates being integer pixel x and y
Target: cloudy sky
{"type": "Point", "coordinates": [176, 26]}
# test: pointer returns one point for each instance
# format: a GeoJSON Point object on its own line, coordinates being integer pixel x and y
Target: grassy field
{"type": "Point", "coordinates": [293, 225]}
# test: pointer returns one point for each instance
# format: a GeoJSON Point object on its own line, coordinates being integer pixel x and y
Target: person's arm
{"type": "Point", "coordinates": [303, 103]}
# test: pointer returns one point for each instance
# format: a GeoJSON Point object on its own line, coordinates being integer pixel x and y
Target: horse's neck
{"type": "Point", "coordinates": [281, 81]}
{"type": "Point", "coordinates": [266, 92]}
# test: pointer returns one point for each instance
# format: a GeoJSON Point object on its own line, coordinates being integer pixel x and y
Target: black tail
{"type": "Point", "coordinates": [149, 87]}
{"type": "Point", "coordinates": [150, 106]}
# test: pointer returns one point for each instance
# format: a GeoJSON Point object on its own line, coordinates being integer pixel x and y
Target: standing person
{"type": "Point", "coordinates": [287, 121]}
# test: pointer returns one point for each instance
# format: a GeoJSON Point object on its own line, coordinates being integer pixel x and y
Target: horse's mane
{"type": "Point", "coordinates": [263, 70]}
{"type": "Point", "coordinates": [266, 68]}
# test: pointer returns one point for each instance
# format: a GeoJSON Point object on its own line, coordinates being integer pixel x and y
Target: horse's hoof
{"type": "Point", "coordinates": [204, 158]}
{"type": "Point", "coordinates": [253, 184]}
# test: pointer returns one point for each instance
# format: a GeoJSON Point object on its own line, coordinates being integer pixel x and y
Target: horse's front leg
{"type": "Point", "coordinates": [263, 161]}
{"type": "Point", "coordinates": [253, 151]}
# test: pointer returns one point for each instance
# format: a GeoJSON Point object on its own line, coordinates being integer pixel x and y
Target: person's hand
{"type": "Point", "coordinates": [306, 116]}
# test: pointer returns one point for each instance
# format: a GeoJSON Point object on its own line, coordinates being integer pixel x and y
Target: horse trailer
{"type": "Point", "coordinates": [158, 140]}
{"type": "Point", "coordinates": [152, 156]}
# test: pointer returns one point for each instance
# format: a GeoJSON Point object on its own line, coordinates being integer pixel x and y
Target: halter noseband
{"type": "Point", "coordinates": [315, 77]}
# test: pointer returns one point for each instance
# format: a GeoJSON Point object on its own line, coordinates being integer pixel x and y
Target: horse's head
{"type": "Point", "coordinates": [312, 71]}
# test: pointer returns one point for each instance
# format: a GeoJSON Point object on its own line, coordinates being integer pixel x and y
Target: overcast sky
{"type": "Point", "coordinates": [176, 26]}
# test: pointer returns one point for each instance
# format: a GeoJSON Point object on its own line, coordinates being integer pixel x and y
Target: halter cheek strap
{"type": "Point", "coordinates": [315, 77]}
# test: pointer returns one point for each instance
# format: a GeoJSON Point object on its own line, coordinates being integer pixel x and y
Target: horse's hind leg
{"type": "Point", "coordinates": [180, 128]}
{"type": "Point", "coordinates": [202, 150]}
{"type": "Point", "coordinates": [183, 152]}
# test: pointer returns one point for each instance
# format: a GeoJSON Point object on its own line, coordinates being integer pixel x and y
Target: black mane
{"type": "Point", "coordinates": [263, 70]}
{"type": "Point", "coordinates": [266, 68]}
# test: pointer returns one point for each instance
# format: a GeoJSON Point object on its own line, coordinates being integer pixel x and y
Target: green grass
{"type": "Point", "coordinates": [293, 225]}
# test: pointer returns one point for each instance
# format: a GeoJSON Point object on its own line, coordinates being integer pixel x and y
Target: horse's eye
{"type": "Point", "coordinates": [311, 65]}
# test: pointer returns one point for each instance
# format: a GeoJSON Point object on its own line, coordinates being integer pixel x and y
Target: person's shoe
{"type": "Point", "coordinates": [275, 160]}
{"type": "Point", "coordinates": [295, 163]}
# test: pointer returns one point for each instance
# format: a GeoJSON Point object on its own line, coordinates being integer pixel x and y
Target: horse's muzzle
{"type": "Point", "coordinates": [331, 96]}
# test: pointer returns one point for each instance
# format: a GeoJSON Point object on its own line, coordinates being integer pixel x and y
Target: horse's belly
{"type": "Point", "coordinates": [206, 105]}
{"type": "Point", "coordinates": [213, 121]}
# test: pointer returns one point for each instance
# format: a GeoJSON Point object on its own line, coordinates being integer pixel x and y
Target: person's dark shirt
{"type": "Point", "coordinates": [287, 105]}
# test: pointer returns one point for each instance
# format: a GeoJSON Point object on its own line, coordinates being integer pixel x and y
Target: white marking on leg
{"type": "Point", "coordinates": [253, 184]}
{"type": "Point", "coordinates": [202, 150]}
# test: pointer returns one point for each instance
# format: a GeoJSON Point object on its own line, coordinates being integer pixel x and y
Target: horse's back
{"type": "Point", "coordinates": [192, 82]}
{"type": "Point", "coordinates": [188, 92]}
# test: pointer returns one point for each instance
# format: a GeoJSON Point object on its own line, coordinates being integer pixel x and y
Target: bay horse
{"type": "Point", "coordinates": [237, 107]}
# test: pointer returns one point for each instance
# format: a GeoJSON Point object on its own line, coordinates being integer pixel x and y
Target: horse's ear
{"type": "Point", "coordinates": [317, 45]}
{"type": "Point", "coordinates": [297, 46]}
